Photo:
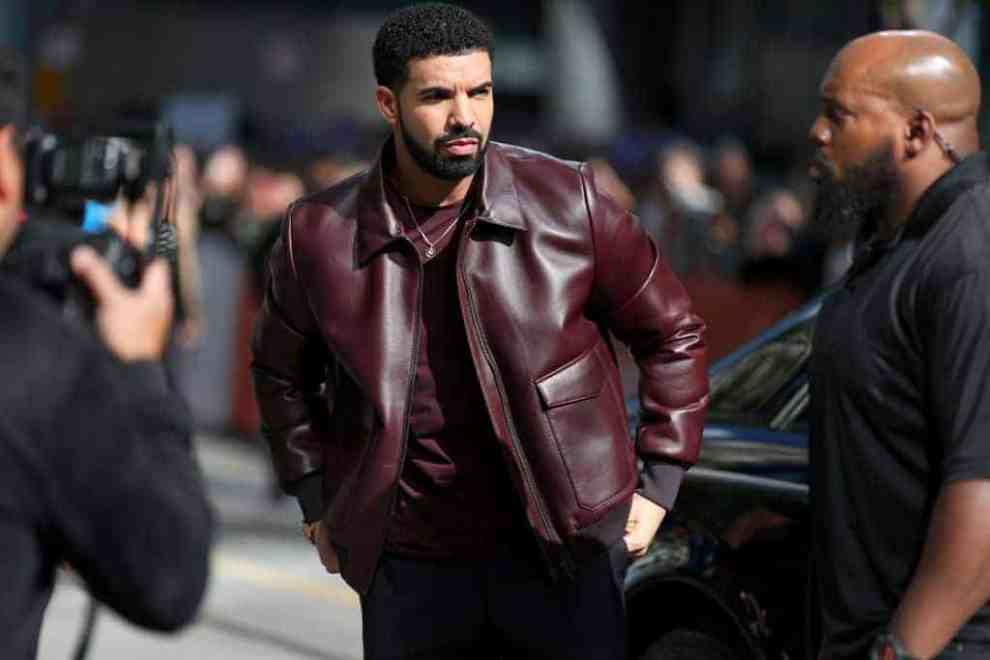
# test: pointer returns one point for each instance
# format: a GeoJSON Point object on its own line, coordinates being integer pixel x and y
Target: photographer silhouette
{"type": "Point", "coordinates": [95, 461]}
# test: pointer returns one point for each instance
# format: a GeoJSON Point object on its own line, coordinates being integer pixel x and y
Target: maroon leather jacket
{"type": "Point", "coordinates": [547, 267]}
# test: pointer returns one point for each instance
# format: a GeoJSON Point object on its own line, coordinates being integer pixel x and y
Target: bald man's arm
{"type": "Point", "coordinates": [953, 578]}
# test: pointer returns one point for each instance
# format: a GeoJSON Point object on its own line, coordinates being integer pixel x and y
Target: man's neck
{"type": "Point", "coordinates": [897, 214]}
{"type": "Point", "coordinates": [421, 188]}
{"type": "Point", "coordinates": [909, 193]}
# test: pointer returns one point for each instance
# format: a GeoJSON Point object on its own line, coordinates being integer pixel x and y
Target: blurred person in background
{"type": "Point", "coordinates": [782, 247]}
{"type": "Point", "coordinates": [95, 461]}
{"type": "Point", "coordinates": [771, 270]}
{"type": "Point", "coordinates": [186, 212]}
{"type": "Point", "coordinates": [731, 174]}
{"type": "Point", "coordinates": [331, 169]}
{"type": "Point", "coordinates": [436, 382]}
{"type": "Point", "coordinates": [768, 284]}
{"type": "Point", "coordinates": [267, 204]}
{"type": "Point", "coordinates": [772, 229]}
{"type": "Point", "coordinates": [611, 184]}
{"type": "Point", "coordinates": [696, 232]}
{"type": "Point", "coordinates": [684, 204]}
{"type": "Point", "coordinates": [698, 238]}
{"type": "Point", "coordinates": [269, 194]}
{"type": "Point", "coordinates": [255, 213]}
{"type": "Point", "coordinates": [223, 187]}
{"type": "Point", "coordinates": [206, 370]}
{"type": "Point", "coordinates": [900, 407]}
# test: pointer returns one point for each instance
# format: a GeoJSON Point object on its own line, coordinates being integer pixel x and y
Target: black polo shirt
{"type": "Point", "coordinates": [900, 404]}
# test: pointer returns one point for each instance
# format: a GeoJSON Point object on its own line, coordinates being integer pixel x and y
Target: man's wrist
{"type": "Point", "coordinates": [887, 646]}
{"type": "Point", "coordinates": [660, 481]}
{"type": "Point", "coordinates": [308, 491]}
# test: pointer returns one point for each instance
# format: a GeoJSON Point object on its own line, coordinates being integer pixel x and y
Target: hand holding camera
{"type": "Point", "coordinates": [98, 266]}
{"type": "Point", "coordinates": [133, 323]}
{"type": "Point", "coordinates": [132, 315]}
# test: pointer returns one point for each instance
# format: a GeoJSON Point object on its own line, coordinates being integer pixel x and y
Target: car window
{"type": "Point", "coordinates": [759, 388]}
{"type": "Point", "coordinates": [800, 423]}
{"type": "Point", "coordinates": [792, 416]}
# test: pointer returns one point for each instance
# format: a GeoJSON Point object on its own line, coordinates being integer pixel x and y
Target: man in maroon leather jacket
{"type": "Point", "coordinates": [437, 382]}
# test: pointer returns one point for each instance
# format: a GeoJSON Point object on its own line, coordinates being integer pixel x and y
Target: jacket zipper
{"type": "Point", "coordinates": [409, 392]}
{"type": "Point", "coordinates": [523, 464]}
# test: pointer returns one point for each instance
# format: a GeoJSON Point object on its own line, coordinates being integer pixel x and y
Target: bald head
{"type": "Point", "coordinates": [899, 109]}
{"type": "Point", "coordinates": [916, 70]}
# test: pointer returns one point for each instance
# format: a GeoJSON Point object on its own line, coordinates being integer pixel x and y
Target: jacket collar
{"type": "Point", "coordinates": [378, 227]}
{"type": "Point", "coordinates": [972, 171]}
{"type": "Point", "coordinates": [934, 202]}
{"type": "Point", "coordinates": [499, 199]}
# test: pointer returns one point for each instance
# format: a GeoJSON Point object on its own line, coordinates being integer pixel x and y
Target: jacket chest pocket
{"type": "Point", "coordinates": [589, 427]}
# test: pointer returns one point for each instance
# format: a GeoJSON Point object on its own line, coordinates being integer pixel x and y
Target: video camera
{"type": "Point", "coordinates": [69, 174]}
{"type": "Point", "coordinates": [64, 171]}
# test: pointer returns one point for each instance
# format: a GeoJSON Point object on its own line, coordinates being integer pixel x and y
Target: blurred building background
{"type": "Point", "coordinates": [573, 71]}
{"type": "Point", "coordinates": [693, 114]}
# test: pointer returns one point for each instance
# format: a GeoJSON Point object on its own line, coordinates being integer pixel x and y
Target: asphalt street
{"type": "Point", "coordinates": [269, 597]}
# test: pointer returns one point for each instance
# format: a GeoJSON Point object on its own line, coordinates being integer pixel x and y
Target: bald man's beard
{"type": "Point", "coordinates": [865, 192]}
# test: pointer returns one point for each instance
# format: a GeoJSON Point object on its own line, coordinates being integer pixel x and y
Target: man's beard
{"type": "Point", "coordinates": [453, 168]}
{"type": "Point", "coordinates": [865, 193]}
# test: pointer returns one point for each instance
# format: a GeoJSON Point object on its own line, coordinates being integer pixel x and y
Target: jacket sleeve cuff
{"type": "Point", "coordinates": [309, 492]}
{"type": "Point", "coordinates": [659, 482]}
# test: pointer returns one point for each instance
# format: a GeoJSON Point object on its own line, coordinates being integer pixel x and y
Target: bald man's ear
{"type": "Point", "coordinates": [918, 133]}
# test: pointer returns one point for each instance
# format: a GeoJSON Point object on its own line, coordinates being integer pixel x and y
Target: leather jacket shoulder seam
{"type": "Point", "coordinates": [585, 189]}
{"type": "Point", "coordinates": [646, 282]}
{"type": "Point", "coordinates": [289, 247]}
{"type": "Point", "coordinates": [290, 250]}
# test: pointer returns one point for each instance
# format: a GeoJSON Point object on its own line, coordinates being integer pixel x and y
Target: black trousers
{"type": "Point", "coordinates": [503, 607]}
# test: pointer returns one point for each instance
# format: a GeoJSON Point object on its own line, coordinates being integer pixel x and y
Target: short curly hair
{"type": "Point", "coordinates": [425, 30]}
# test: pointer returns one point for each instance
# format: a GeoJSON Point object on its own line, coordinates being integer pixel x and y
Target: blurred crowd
{"type": "Point", "coordinates": [228, 212]}
{"type": "Point", "coordinates": [739, 237]}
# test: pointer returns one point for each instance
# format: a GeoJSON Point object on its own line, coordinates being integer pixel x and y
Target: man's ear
{"type": "Point", "coordinates": [918, 133]}
{"type": "Point", "coordinates": [11, 182]}
{"type": "Point", "coordinates": [388, 104]}
{"type": "Point", "coordinates": [10, 163]}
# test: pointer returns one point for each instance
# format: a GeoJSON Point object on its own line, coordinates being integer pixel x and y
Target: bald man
{"type": "Point", "coordinates": [900, 446]}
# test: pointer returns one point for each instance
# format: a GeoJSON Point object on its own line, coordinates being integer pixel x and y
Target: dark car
{"type": "Point", "coordinates": [726, 577]}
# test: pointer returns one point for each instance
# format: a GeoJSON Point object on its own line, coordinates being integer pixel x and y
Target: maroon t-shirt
{"type": "Point", "coordinates": [455, 499]}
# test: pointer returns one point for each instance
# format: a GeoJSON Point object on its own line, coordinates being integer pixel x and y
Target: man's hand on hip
{"type": "Point", "coordinates": [318, 535]}
{"type": "Point", "coordinates": [644, 520]}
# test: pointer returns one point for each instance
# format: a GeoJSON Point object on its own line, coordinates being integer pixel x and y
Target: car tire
{"type": "Point", "coordinates": [687, 644]}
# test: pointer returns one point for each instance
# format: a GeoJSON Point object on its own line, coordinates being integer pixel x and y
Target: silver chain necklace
{"type": "Point", "coordinates": [431, 246]}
